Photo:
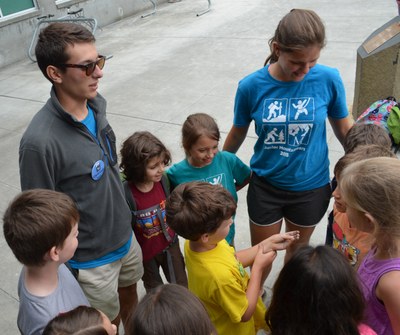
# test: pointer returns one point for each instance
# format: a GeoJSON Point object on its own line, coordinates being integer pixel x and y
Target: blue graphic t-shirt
{"type": "Point", "coordinates": [290, 121]}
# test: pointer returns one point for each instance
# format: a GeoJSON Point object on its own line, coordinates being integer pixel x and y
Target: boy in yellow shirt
{"type": "Point", "coordinates": [202, 213]}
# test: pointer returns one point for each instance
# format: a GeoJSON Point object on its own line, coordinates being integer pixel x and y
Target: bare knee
{"type": "Point", "coordinates": [259, 233]}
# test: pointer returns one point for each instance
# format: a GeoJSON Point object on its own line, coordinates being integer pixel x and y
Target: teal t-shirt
{"type": "Point", "coordinates": [226, 169]}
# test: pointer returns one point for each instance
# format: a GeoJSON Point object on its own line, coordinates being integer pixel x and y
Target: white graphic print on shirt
{"type": "Point", "coordinates": [288, 122]}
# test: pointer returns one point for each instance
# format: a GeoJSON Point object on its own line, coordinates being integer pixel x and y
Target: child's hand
{"type": "Point", "coordinates": [264, 259]}
{"type": "Point", "coordinates": [279, 241]}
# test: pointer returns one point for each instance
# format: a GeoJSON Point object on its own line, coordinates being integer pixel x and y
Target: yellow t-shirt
{"type": "Point", "coordinates": [220, 281]}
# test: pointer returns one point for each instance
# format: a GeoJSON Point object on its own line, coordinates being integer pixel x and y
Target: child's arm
{"type": "Point", "coordinates": [261, 261]}
{"type": "Point", "coordinates": [261, 256]}
{"type": "Point", "coordinates": [274, 242]}
{"type": "Point", "coordinates": [245, 182]}
{"type": "Point", "coordinates": [388, 291]}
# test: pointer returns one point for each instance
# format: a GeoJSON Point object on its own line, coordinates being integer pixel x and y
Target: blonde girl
{"type": "Point", "coordinates": [371, 191]}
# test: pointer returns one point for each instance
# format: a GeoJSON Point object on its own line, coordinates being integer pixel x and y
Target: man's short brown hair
{"type": "Point", "coordinates": [53, 42]}
{"type": "Point", "coordinates": [198, 208]}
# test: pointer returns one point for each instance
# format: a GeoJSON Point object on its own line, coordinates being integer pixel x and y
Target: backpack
{"type": "Point", "coordinates": [384, 113]}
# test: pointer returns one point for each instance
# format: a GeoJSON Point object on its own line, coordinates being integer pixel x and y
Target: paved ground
{"type": "Point", "coordinates": [173, 64]}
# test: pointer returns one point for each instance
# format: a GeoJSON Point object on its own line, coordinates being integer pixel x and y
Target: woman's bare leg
{"type": "Point", "coordinates": [260, 233]}
{"type": "Point", "coordinates": [305, 235]}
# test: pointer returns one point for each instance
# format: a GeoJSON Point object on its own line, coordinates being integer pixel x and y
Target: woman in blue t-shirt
{"type": "Point", "coordinates": [289, 100]}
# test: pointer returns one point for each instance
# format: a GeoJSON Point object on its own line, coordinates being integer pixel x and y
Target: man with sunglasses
{"type": "Point", "coordinates": [69, 146]}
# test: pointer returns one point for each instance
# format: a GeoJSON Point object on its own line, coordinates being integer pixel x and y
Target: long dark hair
{"type": "Point", "coordinates": [317, 292]}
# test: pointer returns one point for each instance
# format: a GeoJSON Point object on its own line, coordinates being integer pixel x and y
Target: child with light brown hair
{"type": "Point", "coordinates": [205, 162]}
{"type": "Point", "coordinates": [41, 228]}
{"type": "Point", "coordinates": [371, 191]}
{"type": "Point", "coordinates": [350, 241]}
{"type": "Point", "coordinates": [358, 135]}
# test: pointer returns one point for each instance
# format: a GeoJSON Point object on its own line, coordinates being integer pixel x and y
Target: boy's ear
{"type": "Point", "coordinates": [204, 238]}
{"type": "Point", "coordinates": [371, 222]}
{"type": "Point", "coordinates": [54, 74]}
{"type": "Point", "coordinates": [53, 254]}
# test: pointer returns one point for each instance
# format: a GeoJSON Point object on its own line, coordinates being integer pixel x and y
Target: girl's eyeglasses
{"type": "Point", "coordinates": [90, 67]}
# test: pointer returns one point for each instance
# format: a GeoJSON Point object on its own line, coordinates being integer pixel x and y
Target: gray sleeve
{"type": "Point", "coordinates": [36, 171]}
{"type": "Point", "coordinates": [33, 314]}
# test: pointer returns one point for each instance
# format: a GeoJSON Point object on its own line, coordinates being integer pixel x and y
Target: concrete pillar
{"type": "Point", "coordinates": [378, 67]}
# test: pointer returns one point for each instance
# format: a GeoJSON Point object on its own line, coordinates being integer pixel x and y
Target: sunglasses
{"type": "Point", "coordinates": [90, 67]}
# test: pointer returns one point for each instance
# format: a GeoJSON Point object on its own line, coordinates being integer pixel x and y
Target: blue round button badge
{"type": "Point", "coordinates": [97, 170]}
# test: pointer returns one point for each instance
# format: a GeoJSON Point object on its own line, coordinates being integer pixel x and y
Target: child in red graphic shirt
{"type": "Point", "coordinates": [143, 159]}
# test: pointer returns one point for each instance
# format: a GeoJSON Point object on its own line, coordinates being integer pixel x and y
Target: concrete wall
{"type": "Point", "coordinates": [16, 31]}
{"type": "Point", "coordinates": [378, 72]}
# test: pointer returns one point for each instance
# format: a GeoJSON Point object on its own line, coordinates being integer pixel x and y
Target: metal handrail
{"type": "Point", "coordinates": [154, 2]}
{"type": "Point", "coordinates": [207, 10]}
{"type": "Point", "coordinates": [72, 16]}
